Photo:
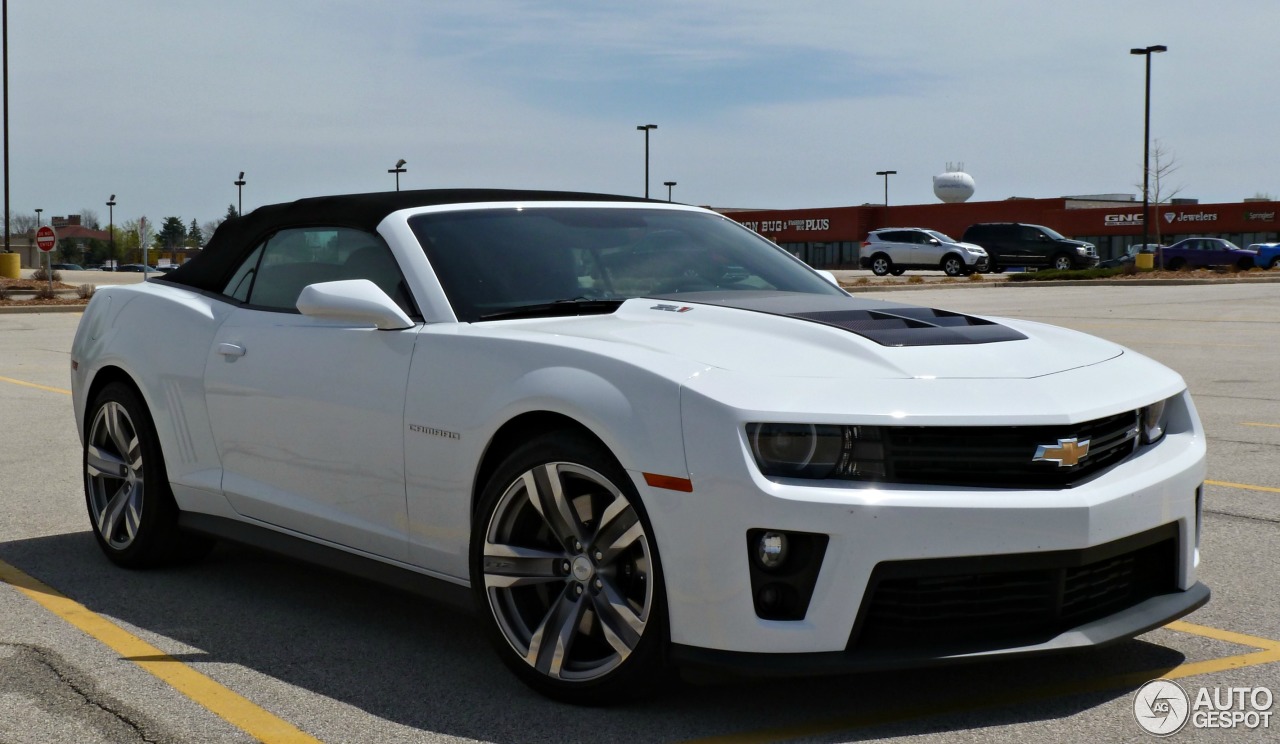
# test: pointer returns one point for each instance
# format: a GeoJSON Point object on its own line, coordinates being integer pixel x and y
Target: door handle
{"type": "Point", "coordinates": [231, 350]}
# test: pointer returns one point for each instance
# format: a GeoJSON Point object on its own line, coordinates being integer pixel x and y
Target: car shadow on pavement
{"type": "Point", "coordinates": [423, 665]}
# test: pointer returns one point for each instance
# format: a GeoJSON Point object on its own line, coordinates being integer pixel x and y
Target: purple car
{"type": "Point", "coordinates": [1197, 252]}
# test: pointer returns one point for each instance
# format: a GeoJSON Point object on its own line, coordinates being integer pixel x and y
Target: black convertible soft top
{"type": "Point", "coordinates": [237, 236]}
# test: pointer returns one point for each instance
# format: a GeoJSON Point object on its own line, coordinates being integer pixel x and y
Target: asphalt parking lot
{"type": "Point", "coordinates": [245, 646]}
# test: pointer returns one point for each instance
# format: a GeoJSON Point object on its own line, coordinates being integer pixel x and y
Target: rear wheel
{"type": "Point", "coordinates": [1272, 263]}
{"type": "Point", "coordinates": [131, 507]}
{"type": "Point", "coordinates": [564, 567]}
{"type": "Point", "coordinates": [953, 266]}
{"type": "Point", "coordinates": [881, 265]}
{"type": "Point", "coordinates": [1244, 264]}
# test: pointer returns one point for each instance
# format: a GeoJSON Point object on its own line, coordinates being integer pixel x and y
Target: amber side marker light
{"type": "Point", "coordinates": [669, 482]}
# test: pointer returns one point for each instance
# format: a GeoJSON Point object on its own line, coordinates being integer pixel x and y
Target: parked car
{"type": "Point", "coordinates": [635, 434]}
{"type": "Point", "coordinates": [138, 268]}
{"type": "Point", "coordinates": [1129, 256]}
{"type": "Point", "coordinates": [1033, 246]}
{"type": "Point", "coordinates": [893, 250]}
{"type": "Point", "coordinates": [1199, 252]}
{"type": "Point", "coordinates": [67, 267]}
{"type": "Point", "coordinates": [1267, 254]}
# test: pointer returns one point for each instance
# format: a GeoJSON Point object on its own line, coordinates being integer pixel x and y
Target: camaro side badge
{"type": "Point", "coordinates": [431, 430]}
{"type": "Point", "coordinates": [1066, 452]}
{"type": "Point", "coordinates": [672, 308]}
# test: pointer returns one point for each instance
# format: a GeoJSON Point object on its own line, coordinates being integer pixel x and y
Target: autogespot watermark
{"type": "Point", "coordinates": [1162, 707]}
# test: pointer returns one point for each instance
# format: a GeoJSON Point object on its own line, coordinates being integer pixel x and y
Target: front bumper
{"type": "Point", "coordinates": [1141, 618]}
{"type": "Point", "coordinates": [712, 607]}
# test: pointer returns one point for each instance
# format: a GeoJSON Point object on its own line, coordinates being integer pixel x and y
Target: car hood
{"type": "Point", "coordinates": [808, 336]}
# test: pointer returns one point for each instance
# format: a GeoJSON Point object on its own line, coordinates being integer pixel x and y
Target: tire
{"type": "Point", "coordinates": [560, 542]}
{"type": "Point", "coordinates": [1062, 262]}
{"type": "Point", "coordinates": [952, 265]}
{"type": "Point", "coordinates": [881, 265]}
{"type": "Point", "coordinates": [1244, 264]}
{"type": "Point", "coordinates": [897, 271]}
{"type": "Point", "coordinates": [1272, 263]}
{"type": "Point", "coordinates": [1176, 264]}
{"type": "Point", "coordinates": [131, 507]}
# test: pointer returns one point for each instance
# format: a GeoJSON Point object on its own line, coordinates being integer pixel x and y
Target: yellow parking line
{"type": "Point", "coordinates": [1269, 654]}
{"type": "Point", "coordinates": [1251, 423]}
{"type": "Point", "coordinates": [33, 385]}
{"type": "Point", "coordinates": [230, 706]}
{"type": "Point", "coordinates": [1242, 486]}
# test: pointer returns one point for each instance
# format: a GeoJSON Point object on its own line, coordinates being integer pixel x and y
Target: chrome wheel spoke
{"type": "Point", "coordinates": [621, 625]}
{"type": "Point", "coordinates": [120, 512]}
{"type": "Point", "coordinates": [551, 643]}
{"type": "Point", "coordinates": [546, 494]}
{"type": "Point", "coordinates": [120, 430]}
{"type": "Point", "coordinates": [102, 463]}
{"type": "Point", "coordinates": [619, 529]}
{"type": "Point", "coordinates": [507, 566]}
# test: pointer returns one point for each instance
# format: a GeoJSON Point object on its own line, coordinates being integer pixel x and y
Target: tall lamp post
{"type": "Point", "coordinates": [38, 211]}
{"type": "Point", "coordinates": [886, 174]}
{"type": "Point", "coordinates": [111, 223]}
{"type": "Point", "coordinates": [398, 170]}
{"type": "Point", "coordinates": [239, 182]}
{"type": "Point", "coordinates": [1146, 146]}
{"type": "Point", "coordinates": [645, 128]}
{"type": "Point", "coordinates": [668, 184]}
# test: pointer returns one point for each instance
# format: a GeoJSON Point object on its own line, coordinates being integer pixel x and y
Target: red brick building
{"type": "Point", "coordinates": [829, 237]}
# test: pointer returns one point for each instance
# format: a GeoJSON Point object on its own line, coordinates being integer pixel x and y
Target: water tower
{"type": "Point", "coordinates": [954, 186]}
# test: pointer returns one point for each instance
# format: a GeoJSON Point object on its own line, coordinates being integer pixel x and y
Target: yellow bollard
{"type": "Point", "coordinates": [10, 265]}
{"type": "Point", "coordinates": [1145, 261]}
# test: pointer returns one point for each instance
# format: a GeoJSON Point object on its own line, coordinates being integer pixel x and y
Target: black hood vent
{"type": "Point", "coordinates": [886, 323]}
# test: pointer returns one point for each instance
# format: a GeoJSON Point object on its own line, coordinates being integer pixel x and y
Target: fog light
{"type": "Point", "coordinates": [771, 550]}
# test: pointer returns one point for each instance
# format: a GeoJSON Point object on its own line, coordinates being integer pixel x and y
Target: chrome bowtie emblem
{"type": "Point", "coordinates": [1066, 452]}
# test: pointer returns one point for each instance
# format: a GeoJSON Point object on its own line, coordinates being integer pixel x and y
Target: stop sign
{"type": "Point", "coordinates": [46, 238]}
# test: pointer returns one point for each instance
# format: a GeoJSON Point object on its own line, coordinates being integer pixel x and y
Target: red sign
{"type": "Point", "coordinates": [46, 238]}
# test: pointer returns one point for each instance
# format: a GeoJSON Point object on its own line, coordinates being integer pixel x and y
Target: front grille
{"type": "Point", "coordinates": [1002, 456]}
{"type": "Point", "coordinates": [958, 605]}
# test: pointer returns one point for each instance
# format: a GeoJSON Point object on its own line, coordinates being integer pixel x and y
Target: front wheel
{"type": "Point", "coordinates": [1272, 264]}
{"type": "Point", "coordinates": [1062, 262]}
{"type": "Point", "coordinates": [131, 508]}
{"type": "Point", "coordinates": [953, 266]}
{"type": "Point", "coordinates": [564, 568]}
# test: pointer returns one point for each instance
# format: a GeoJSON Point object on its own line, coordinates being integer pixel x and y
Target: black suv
{"type": "Point", "coordinates": [1033, 246]}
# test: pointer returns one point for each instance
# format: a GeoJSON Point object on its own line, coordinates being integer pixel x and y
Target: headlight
{"type": "Point", "coordinates": [1082, 250]}
{"type": "Point", "coordinates": [817, 450]}
{"type": "Point", "coordinates": [977, 251]}
{"type": "Point", "coordinates": [1153, 423]}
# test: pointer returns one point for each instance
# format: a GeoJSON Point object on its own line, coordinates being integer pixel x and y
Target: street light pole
{"type": "Point", "coordinates": [38, 211]}
{"type": "Point", "coordinates": [645, 128]}
{"type": "Point", "coordinates": [1146, 147]}
{"type": "Point", "coordinates": [668, 184]}
{"type": "Point", "coordinates": [111, 224]}
{"type": "Point", "coordinates": [239, 182]}
{"type": "Point", "coordinates": [398, 170]}
{"type": "Point", "coordinates": [886, 174]}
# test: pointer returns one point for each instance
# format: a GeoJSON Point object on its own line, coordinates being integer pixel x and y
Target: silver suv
{"type": "Point", "coordinates": [893, 250]}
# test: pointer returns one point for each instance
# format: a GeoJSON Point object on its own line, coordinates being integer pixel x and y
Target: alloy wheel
{"type": "Point", "coordinates": [567, 571]}
{"type": "Point", "coordinates": [114, 475]}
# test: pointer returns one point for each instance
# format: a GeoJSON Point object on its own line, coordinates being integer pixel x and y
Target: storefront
{"type": "Point", "coordinates": [830, 237]}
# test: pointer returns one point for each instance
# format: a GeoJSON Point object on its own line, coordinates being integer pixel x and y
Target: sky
{"type": "Point", "coordinates": [759, 103]}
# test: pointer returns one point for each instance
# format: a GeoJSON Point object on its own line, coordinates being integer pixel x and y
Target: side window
{"type": "Point", "coordinates": [1031, 234]}
{"type": "Point", "coordinates": [242, 281]}
{"type": "Point", "coordinates": [292, 259]}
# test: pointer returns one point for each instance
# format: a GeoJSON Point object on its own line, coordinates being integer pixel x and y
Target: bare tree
{"type": "Point", "coordinates": [20, 224]}
{"type": "Point", "coordinates": [89, 218]}
{"type": "Point", "coordinates": [1163, 165]}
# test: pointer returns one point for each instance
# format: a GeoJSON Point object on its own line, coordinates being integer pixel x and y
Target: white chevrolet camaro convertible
{"type": "Point", "coordinates": [636, 435]}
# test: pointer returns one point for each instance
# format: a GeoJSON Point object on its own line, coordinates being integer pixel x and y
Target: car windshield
{"type": "Point", "coordinates": [1053, 233]}
{"type": "Point", "coordinates": [940, 236]}
{"type": "Point", "coordinates": [507, 262]}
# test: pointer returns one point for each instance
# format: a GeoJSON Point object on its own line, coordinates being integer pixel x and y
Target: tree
{"type": "Point", "coordinates": [195, 237]}
{"type": "Point", "coordinates": [20, 224]}
{"type": "Point", "coordinates": [171, 234]}
{"type": "Point", "coordinates": [210, 227]}
{"type": "Point", "coordinates": [1163, 164]}
{"type": "Point", "coordinates": [89, 218]}
{"type": "Point", "coordinates": [231, 212]}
